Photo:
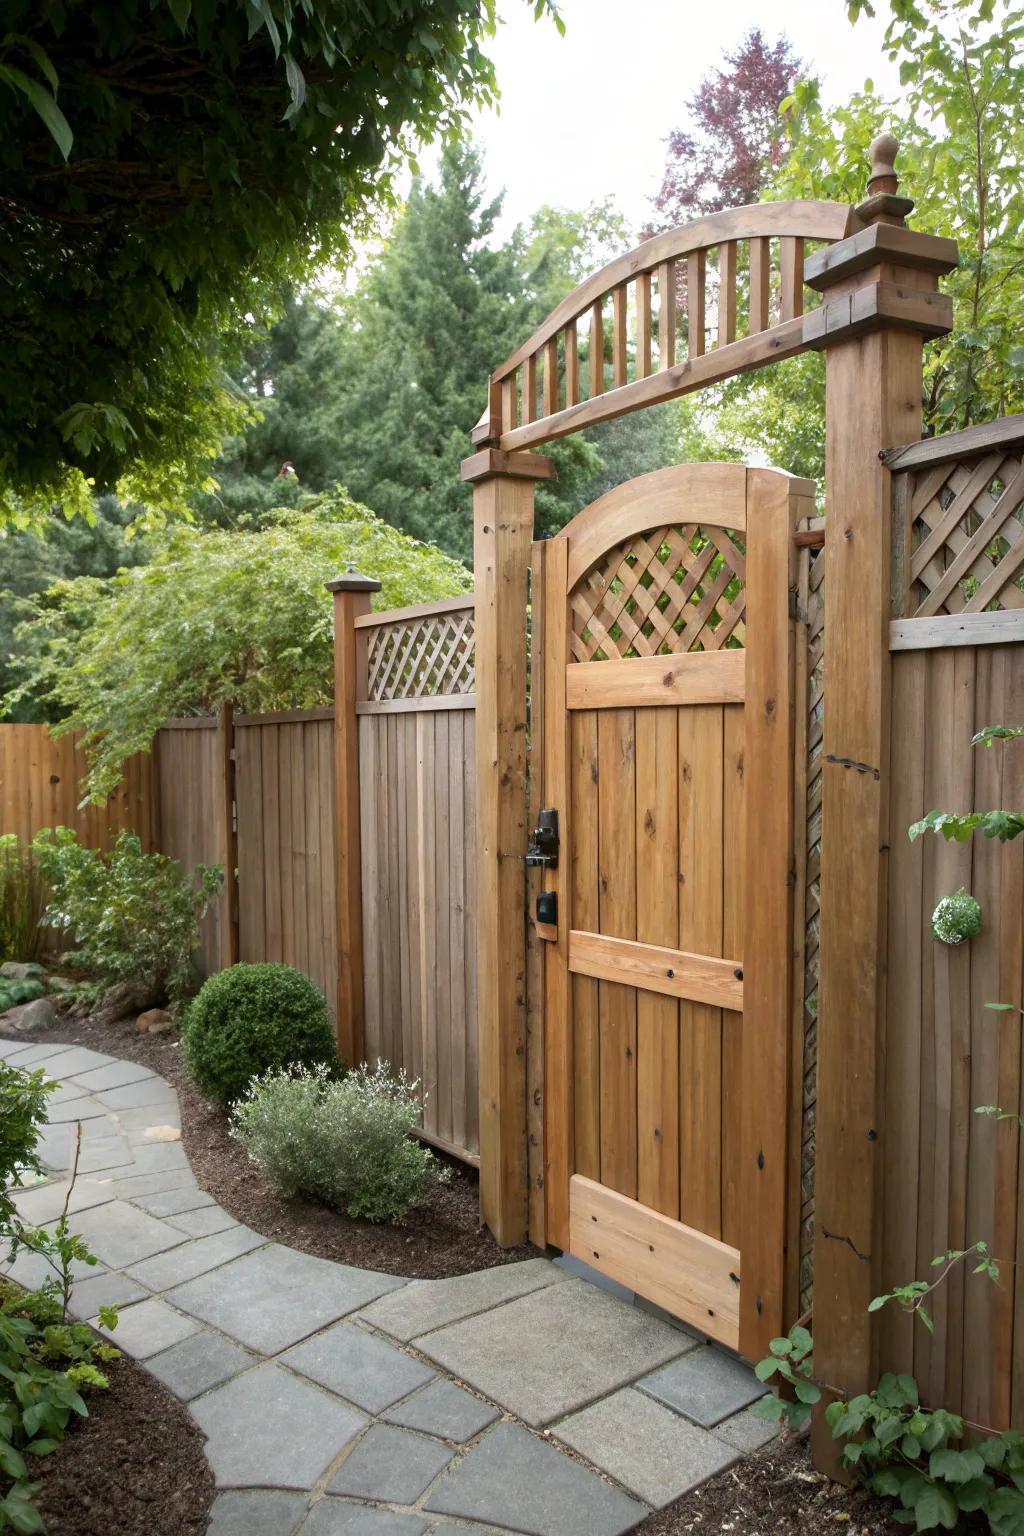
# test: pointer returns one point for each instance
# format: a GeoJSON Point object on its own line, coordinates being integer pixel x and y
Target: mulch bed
{"type": "Point", "coordinates": [136, 1466]}
{"type": "Point", "coordinates": [445, 1238]}
{"type": "Point", "coordinates": [774, 1491]}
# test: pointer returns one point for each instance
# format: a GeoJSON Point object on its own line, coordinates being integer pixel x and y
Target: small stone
{"type": "Point", "coordinates": [18, 970]}
{"type": "Point", "coordinates": [39, 1014]}
{"type": "Point", "coordinates": [59, 983]}
{"type": "Point", "coordinates": [153, 1021]}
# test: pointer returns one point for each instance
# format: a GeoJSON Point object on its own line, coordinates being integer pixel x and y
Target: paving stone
{"type": "Point", "coordinates": [153, 1183]}
{"type": "Point", "coordinates": [447, 1529]}
{"type": "Point", "coordinates": [645, 1446]}
{"type": "Point", "coordinates": [120, 1234]}
{"type": "Point", "coordinates": [116, 1075]}
{"type": "Point", "coordinates": [545, 1355]}
{"type": "Point", "coordinates": [171, 1202]}
{"type": "Point", "coordinates": [136, 1122]}
{"type": "Point", "coordinates": [106, 1152]}
{"type": "Point", "coordinates": [203, 1222]}
{"type": "Point", "coordinates": [336, 1517]}
{"type": "Point", "coordinates": [358, 1366]}
{"type": "Point", "coordinates": [151, 1091]}
{"type": "Point", "coordinates": [194, 1258]}
{"type": "Point", "coordinates": [54, 1148]}
{"type": "Point", "coordinates": [444, 1410]}
{"type": "Point", "coordinates": [270, 1428]}
{"type": "Point", "coordinates": [108, 1289]}
{"type": "Point", "coordinates": [26, 1057]}
{"type": "Point", "coordinates": [200, 1362]}
{"type": "Point", "coordinates": [66, 1094]}
{"type": "Point", "coordinates": [423, 1305]}
{"type": "Point", "coordinates": [390, 1466]}
{"type": "Point", "coordinates": [158, 1157]}
{"type": "Point", "coordinates": [257, 1512]}
{"type": "Point", "coordinates": [254, 1299]}
{"type": "Point", "coordinates": [46, 1201]}
{"type": "Point", "coordinates": [580, 1271]}
{"type": "Point", "coordinates": [148, 1327]}
{"type": "Point", "coordinates": [746, 1431]}
{"type": "Point", "coordinates": [74, 1059]}
{"type": "Point", "coordinates": [513, 1479]}
{"type": "Point", "coordinates": [79, 1109]}
{"type": "Point", "coordinates": [706, 1386]}
{"type": "Point", "coordinates": [98, 1127]}
{"type": "Point", "coordinates": [31, 1269]}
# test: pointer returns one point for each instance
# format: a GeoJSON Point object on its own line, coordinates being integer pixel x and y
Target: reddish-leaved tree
{"type": "Point", "coordinates": [734, 137]}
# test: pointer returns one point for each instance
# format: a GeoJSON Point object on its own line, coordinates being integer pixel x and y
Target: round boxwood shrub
{"type": "Point", "coordinates": [252, 1019]}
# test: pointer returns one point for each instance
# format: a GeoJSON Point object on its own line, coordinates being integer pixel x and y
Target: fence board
{"type": "Point", "coordinates": [41, 785]}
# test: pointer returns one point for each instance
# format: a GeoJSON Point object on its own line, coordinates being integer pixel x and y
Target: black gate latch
{"type": "Point", "coordinates": [542, 848]}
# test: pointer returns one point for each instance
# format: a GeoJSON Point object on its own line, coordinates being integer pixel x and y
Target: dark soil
{"type": "Point", "coordinates": [135, 1467]}
{"type": "Point", "coordinates": [775, 1492]}
{"type": "Point", "coordinates": [445, 1238]}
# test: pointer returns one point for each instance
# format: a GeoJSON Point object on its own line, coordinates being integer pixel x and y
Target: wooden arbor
{"type": "Point", "coordinates": [879, 300]}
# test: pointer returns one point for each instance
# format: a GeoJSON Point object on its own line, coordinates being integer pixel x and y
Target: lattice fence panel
{"type": "Point", "coordinates": [815, 704]}
{"type": "Point", "coordinates": [430, 656]}
{"type": "Point", "coordinates": [671, 589]}
{"type": "Point", "coordinates": [967, 535]}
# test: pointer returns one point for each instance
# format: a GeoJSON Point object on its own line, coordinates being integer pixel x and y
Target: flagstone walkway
{"type": "Point", "coordinates": [343, 1402]}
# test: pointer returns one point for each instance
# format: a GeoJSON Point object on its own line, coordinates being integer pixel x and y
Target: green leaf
{"type": "Point", "coordinates": [43, 104]}
{"type": "Point", "coordinates": [807, 1391]}
{"type": "Point", "coordinates": [956, 1466]}
{"type": "Point", "coordinates": [935, 1506]}
{"type": "Point", "coordinates": [765, 1369]}
{"type": "Point", "coordinates": [181, 10]}
{"type": "Point", "coordinates": [974, 1495]}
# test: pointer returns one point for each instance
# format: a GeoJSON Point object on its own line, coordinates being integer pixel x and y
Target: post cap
{"type": "Point", "coordinates": [883, 204]}
{"type": "Point", "coordinates": [353, 581]}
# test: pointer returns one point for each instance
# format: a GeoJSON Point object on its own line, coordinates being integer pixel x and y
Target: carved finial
{"type": "Point", "coordinates": [883, 176]}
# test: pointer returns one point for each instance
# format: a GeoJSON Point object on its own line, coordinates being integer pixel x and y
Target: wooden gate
{"type": "Point", "coordinates": [668, 718]}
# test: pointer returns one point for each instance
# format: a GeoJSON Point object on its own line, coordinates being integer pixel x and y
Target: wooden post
{"type": "Point", "coordinates": [352, 593]}
{"type": "Point", "coordinates": [229, 836]}
{"type": "Point", "coordinates": [880, 301]}
{"type": "Point", "coordinates": [502, 535]}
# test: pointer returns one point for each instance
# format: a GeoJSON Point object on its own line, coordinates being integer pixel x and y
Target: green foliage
{"type": "Point", "coordinates": [238, 615]}
{"type": "Point", "coordinates": [22, 1113]}
{"type": "Point", "coordinates": [913, 1295]}
{"type": "Point", "coordinates": [23, 898]}
{"type": "Point", "coordinates": [956, 918]}
{"type": "Point", "coordinates": [790, 1360]}
{"type": "Point", "coordinates": [14, 993]}
{"type": "Point", "coordinates": [134, 916]}
{"type": "Point", "coordinates": [252, 1019]}
{"type": "Point", "coordinates": [204, 156]}
{"type": "Point", "coordinates": [348, 1143]}
{"type": "Point", "coordinates": [1004, 825]}
{"type": "Point", "coordinates": [379, 389]}
{"type": "Point", "coordinates": [961, 139]}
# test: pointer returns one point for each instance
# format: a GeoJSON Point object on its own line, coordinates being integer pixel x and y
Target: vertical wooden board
{"type": "Point", "coordinates": [442, 935]}
{"type": "Point", "coordinates": [559, 1109]}
{"type": "Point", "coordinates": [616, 824]}
{"type": "Point", "coordinates": [415, 896]}
{"type": "Point", "coordinates": [396, 1023]}
{"type": "Point", "coordinates": [404, 792]}
{"type": "Point", "coordinates": [906, 938]}
{"type": "Point", "coordinates": [620, 297]}
{"type": "Point", "coordinates": [584, 770]}
{"type": "Point", "coordinates": [311, 802]}
{"type": "Point", "coordinates": [299, 848]}
{"type": "Point", "coordinates": [472, 1030]}
{"type": "Point", "coordinates": [657, 922]}
{"type": "Point", "coordinates": [426, 856]}
{"type": "Point", "coordinates": [369, 843]}
{"type": "Point", "coordinates": [736, 874]}
{"type": "Point", "coordinates": [535, 945]}
{"type": "Point", "coordinates": [272, 883]}
{"type": "Point", "coordinates": [325, 823]}
{"type": "Point", "coordinates": [252, 864]}
{"type": "Point", "coordinates": [979, 1396]}
{"type": "Point", "coordinates": [700, 930]}
{"type": "Point", "coordinates": [458, 835]}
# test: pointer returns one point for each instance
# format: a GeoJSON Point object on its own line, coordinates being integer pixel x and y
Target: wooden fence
{"type": "Point", "coordinates": [41, 786]}
{"type": "Point", "coordinates": [953, 1176]}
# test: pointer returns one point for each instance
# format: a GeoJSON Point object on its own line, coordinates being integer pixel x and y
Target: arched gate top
{"type": "Point", "coordinates": [739, 276]}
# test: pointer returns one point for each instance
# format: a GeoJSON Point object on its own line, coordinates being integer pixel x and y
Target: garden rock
{"type": "Point", "coordinates": [18, 970]}
{"type": "Point", "coordinates": [121, 1000]}
{"type": "Point", "coordinates": [155, 1021]}
{"type": "Point", "coordinates": [40, 1014]}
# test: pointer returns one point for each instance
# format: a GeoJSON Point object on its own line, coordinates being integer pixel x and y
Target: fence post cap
{"type": "Point", "coordinates": [353, 581]}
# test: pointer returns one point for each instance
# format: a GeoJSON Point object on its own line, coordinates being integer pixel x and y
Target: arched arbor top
{"type": "Point", "coordinates": [727, 292]}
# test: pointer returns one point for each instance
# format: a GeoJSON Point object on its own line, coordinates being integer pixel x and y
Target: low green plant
{"type": "Point", "coordinates": [23, 897]}
{"type": "Point", "coordinates": [252, 1019]}
{"type": "Point", "coordinates": [346, 1142]}
{"type": "Point", "coordinates": [13, 993]}
{"type": "Point", "coordinates": [956, 918]}
{"type": "Point", "coordinates": [47, 1362]}
{"type": "Point", "coordinates": [134, 916]}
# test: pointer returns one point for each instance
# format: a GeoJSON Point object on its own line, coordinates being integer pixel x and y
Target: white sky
{"type": "Point", "coordinates": [587, 114]}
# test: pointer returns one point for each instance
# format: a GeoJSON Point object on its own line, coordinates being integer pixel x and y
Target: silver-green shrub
{"type": "Point", "coordinates": [346, 1143]}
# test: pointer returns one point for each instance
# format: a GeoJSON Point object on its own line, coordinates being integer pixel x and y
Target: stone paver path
{"type": "Point", "coordinates": [341, 1402]}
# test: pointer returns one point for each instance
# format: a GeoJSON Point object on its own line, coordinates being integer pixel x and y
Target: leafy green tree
{"type": "Point", "coordinates": [33, 559]}
{"type": "Point", "coordinates": [218, 615]}
{"type": "Point", "coordinates": [168, 168]}
{"type": "Point", "coordinates": [961, 147]}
